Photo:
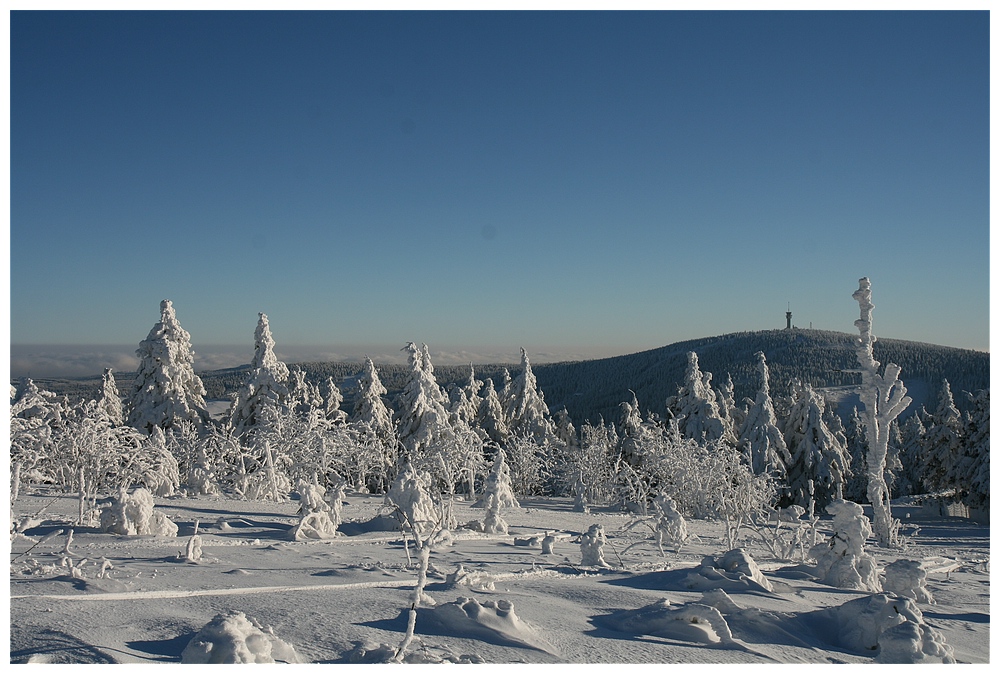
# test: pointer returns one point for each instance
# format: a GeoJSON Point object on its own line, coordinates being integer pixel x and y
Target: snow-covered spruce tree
{"type": "Point", "coordinates": [565, 431]}
{"type": "Point", "coordinates": [856, 486]}
{"type": "Point", "coordinates": [695, 406]}
{"type": "Point", "coordinates": [911, 454]}
{"type": "Point", "coordinates": [166, 389]}
{"type": "Point", "coordinates": [884, 398]}
{"type": "Point", "coordinates": [490, 417]}
{"type": "Point", "coordinates": [369, 407]}
{"type": "Point", "coordinates": [266, 383]}
{"type": "Point", "coordinates": [422, 406]}
{"type": "Point", "coordinates": [942, 442]}
{"type": "Point", "coordinates": [816, 455]}
{"type": "Point", "coordinates": [525, 410]}
{"type": "Point", "coordinates": [110, 400]}
{"type": "Point", "coordinates": [759, 437]}
{"type": "Point", "coordinates": [972, 472]}
{"type": "Point", "coordinates": [732, 415]}
{"type": "Point", "coordinates": [464, 400]}
{"type": "Point", "coordinates": [334, 399]}
{"type": "Point", "coordinates": [304, 398]}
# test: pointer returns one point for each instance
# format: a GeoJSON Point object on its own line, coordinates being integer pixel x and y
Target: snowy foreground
{"type": "Point", "coordinates": [497, 598]}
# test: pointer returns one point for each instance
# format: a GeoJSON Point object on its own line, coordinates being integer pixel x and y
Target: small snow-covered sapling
{"type": "Point", "coordinates": [592, 547]}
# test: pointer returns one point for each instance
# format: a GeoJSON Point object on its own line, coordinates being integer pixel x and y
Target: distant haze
{"type": "Point", "coordinates": [70, 361]}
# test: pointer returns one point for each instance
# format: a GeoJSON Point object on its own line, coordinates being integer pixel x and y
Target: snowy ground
{"type": "Point", "coordinates": [338, 600]}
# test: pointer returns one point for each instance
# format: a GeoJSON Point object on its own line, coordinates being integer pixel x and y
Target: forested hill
{"type": "Point", "coordinates": [595, 388]}
{"type": "Point", "coordinates": [592, 388]}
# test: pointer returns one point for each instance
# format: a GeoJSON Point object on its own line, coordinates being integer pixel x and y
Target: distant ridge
{"type": "Point", "coordinates": [592, 389]}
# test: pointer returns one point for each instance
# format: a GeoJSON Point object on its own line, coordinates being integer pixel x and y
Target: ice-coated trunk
{"type": "Point", "coordinates": [15, 486]}
{"type": "Point", "coordinates": [884, 398]}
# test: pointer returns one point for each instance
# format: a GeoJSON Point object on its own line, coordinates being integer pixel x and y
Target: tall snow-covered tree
{"type": "Point", "coordinates": [760, 440]}
{"type": "Point", "coordinates": [334, 399]}
{"type": "Point", "coordinates": [942, 442]}
{"type": "Point", "coordinates": [465, 400]}
{"type": "Point", "coordinates": [369, 407]}
{"type": "Point", "coordinates": [490, 418]}
{"type": "Point", "coordinates": [110, 400]}
{"type": "Point", "coordinates": [695, 406]}
{"type": "Point", "coordinates": [166, 388]}
{"type": "Point", "coordinates": [526, 412]}
{"type": "Point", "coordinates": [819, 463]}
{"type": "Point", "coordinates": [972, 473]}
{"type": "Point", "coordinates": [732, 415]}
{"type": "Point", "coordinates": [884, 398]}
{"type": "Point", "coordinates": [266, 383]}
{"type": "Point", "coordinates": [422, 406]}
{"type": "Point", "coordinates": [856, 486]}
{"type": "Point", "coordinates": [910, 478]}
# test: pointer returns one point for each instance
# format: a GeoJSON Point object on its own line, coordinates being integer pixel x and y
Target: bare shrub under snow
{"type": "Point", "coordinates": [842, 561]}
{"type": "Point", "coordinates": [892, 625]}
{"type": "Point", "coordinates": [235, 639]}
{"type": "Point", "coordinates": [133, 515]}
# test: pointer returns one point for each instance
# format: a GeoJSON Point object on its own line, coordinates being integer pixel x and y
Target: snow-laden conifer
{"type": "Point", "coordinates": [884, 398]}
{"type": "Point", "coordinates": [819, 463]}
{"type": "Point", "coordinates": [266, 383]}
{"type": "Point", "coordinates": [110, 400]}
{"type": "Point", "coordinates": [942, 442]}
{"type": "Point", "coordinates": [759, 437]}
{"type": "Point", "coordinates": [166, 388]}
{"type": "Point", "coordinates": [369, 407]}
{"type": "Point", "coordinates": [695, 406]}
{"type": "Point", "coordinates": [490, 416]}
{"type": "Point", "coordinates": [525, 410]}
{"type": "Point", "coordinates": [334, 399]}
{"type": "Point", "coordinates": [972, 471]}
{"type": "Point", "coordinates": [422, 406]}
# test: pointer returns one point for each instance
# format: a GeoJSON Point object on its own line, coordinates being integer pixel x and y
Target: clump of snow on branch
{"type": "Point", "coordinates": [234, 638]}
{"type": "Point", "coordinates": [133, 515]}
{"type": "Point", "coordinates": [842, 561]}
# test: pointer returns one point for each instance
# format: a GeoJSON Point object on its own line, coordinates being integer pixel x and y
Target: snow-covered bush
{"type": "Point", "coordinates": [842, 561]}
{"type": "Point", "coordinates": [592, 547]}
{"type": "Point", "coordinates": [671, 529]}
{"type": "Point", "coordinates": [133, 515]}
{"type": "Point", "coordinates": [735, 569]}
{"type": "Point", "coordinates": [697, 622]}
{"type": "Point", "coordinates": [318, 519]}
{"type": "Point", "coordinates": [498, 482]}
{"type": "Point", "coordinates": [410, 497]}
{"type": "Point", "coordinates": [234, 638]}
{"type": "Point", "coordinates": [892, 626]}
{"type": "Point", "coordinates": [907, 578]}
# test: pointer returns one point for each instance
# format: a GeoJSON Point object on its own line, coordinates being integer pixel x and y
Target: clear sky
{"type": "Point", "coordinates": [577, 183]}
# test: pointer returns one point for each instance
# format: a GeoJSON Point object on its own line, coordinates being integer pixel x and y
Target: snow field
{"type": "Point", "coordinates": [328, 599]}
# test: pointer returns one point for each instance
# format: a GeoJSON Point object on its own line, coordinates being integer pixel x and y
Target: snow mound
{"type": "Point", "coordinates": [369, 652]}
{"type": "Point", "coordinates": [133, 515]}
{"type": "Point", "coordinates": [735, 570]}
{"type": "Point", "coordinates": [235, 639]}
{"type": "Point", "coordinates": [892, 625]}
{"type": "Point", "coordinates": [907, 578]}
{"type": "Point", "coordinates": [493, 621]}
{"type": "Point", "coordinates": [695, 622]}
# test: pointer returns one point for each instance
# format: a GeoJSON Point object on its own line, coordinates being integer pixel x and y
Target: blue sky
{"type": "Point", "coordinates": [577, 183]}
